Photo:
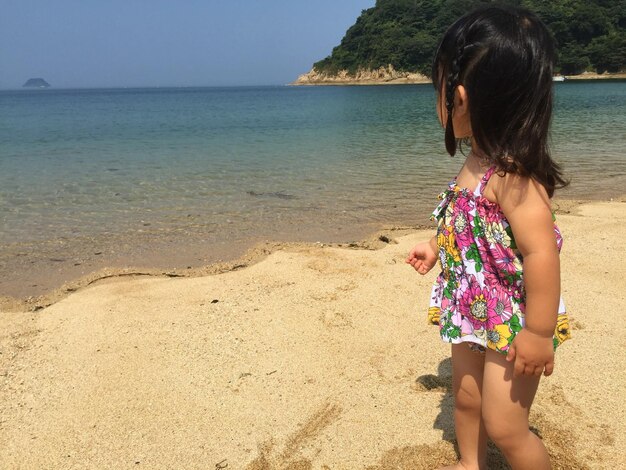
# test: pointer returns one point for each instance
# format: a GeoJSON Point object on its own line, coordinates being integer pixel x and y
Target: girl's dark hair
{"type": "Point", "coordinates": [504, 57]}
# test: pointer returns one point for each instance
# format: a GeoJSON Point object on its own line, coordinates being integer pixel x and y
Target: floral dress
{"type": "Point", "coordinates": [479, 295]}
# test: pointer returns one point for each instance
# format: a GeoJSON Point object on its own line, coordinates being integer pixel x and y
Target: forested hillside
{"type": "Point", "coordinates": [590, 34]}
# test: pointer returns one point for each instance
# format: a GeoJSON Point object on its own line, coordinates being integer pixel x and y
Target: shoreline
{"type": "Point", "coordinates": [344, 81]}
{"type": "Point", "coordinates": [340, 82]}
{"type": "Point", "coordinates": [250, 255]}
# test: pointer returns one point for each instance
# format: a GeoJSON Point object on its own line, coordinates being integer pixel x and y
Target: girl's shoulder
{"type": "Point", "coordinates": [511, 190]}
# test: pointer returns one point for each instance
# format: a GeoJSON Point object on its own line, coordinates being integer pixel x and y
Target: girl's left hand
{"type": "Point", "coordinates": [422, 257]}
{"type": "Point", "coordinates": [532, 353]}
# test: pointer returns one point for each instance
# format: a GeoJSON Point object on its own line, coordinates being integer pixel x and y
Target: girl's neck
{"type": "Point", "coordinates": [474, 168]}
{"type": "Point", "coordinates": [476, 161]}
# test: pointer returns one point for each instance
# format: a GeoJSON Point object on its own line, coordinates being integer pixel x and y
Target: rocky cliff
{"type": "Point", "coordinates": [381, 76]}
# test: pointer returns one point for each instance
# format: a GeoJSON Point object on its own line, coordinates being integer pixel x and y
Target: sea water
{"type": "Point", "coordinates": [255, 162]}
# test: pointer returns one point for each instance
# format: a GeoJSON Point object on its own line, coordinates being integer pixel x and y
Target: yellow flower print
{"type": "Point", "coordinates": [452, 249]}
{"type": "Point", "coordinates": [562, 330]}
{"type": "Point", "coordinates": [498, 338]}
{"type": "Point", "coordinates": [433, 315]}
{"type": "Point", "coordinates": [448, 243]}
{"type": "Point", "coordinates": [478, 308]}
{"type": "Point", "coordinates": [441, 240]}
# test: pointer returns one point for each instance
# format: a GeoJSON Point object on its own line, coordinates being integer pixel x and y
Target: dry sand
{"type": "Point", "coordinates": [313, 358]}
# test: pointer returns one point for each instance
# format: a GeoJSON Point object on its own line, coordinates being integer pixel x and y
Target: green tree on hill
{"type": "Point", "coordinates": [590, 34]}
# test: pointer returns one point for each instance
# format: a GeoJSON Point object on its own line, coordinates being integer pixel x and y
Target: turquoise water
{"type": "Point", "coordinates": [253, 162]}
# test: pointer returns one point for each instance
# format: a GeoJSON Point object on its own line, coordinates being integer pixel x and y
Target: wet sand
{"type": "Point", "coordinates": [308, 357]}
{"type": "Point", "coordinates": [35, 270]}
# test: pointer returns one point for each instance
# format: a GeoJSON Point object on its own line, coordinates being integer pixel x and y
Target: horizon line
{"type": "Point", "coordinates": [124, 87]}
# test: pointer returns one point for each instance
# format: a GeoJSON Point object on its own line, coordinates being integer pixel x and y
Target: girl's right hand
{"type": "Point", "coordinates": [422, 257]}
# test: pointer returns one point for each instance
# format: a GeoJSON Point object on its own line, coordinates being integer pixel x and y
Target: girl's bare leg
{"type": "Point", "coordinates": [506, 405]}
{"type": "Point", "coordinates": [467, 379]}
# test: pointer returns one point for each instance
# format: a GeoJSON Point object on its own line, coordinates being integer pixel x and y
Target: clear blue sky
{"type": "Point", "coordinates": [94, 43]}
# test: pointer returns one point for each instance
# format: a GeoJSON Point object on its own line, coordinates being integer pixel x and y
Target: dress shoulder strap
{"type": "Point", "coordinates": [484, 180]}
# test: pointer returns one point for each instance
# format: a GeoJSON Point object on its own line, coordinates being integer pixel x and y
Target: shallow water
{"type": "Point", "coordinates": [221, 166]}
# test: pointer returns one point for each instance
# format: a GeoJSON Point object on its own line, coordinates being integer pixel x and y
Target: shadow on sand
{"type": "Point", "coordinates": [559, 441]}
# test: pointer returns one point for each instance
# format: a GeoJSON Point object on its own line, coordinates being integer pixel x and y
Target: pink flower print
{"type": "Point", "coordinates": [489, 213]}
{"type": "Point", "coordinates": [479, 306]}
{"type": "Point", "coordinates": [491, 277]}
{"type": "Point", "coordinates": [489, 266]}
{"type": "Point", "coordinates": [493, 318]}
{"type": "Point", "coordinates": [445, 310]}
{"type": "Point", "coordinates": [506, 261]}
{"type": "Point", "coordinates": [463, 285]}
{"type": "Point", "coordinates": [463, 230]}
{"type": "Point", "coordinates": [466, 327]}
{"type": "Point", "coordinates": [482, 211]}
{"type": "Point", "coordinates": [504, 309]}
{"type": "Point", "coordinates": [559, 237]}
{"type": "Point", "coordinates": [462, 204]}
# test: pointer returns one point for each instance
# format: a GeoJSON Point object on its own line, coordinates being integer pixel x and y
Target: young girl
{"type": "Point", "coordinates": [497, 299]}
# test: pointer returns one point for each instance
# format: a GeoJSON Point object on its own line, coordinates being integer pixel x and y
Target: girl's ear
{"type": "Point", "coordinates": [462, 121]}
{"type": "Point", "coordinates": [461, 103]}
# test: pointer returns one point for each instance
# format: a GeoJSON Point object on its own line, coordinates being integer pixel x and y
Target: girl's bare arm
{"type": "Point", "coordinates": [526, 206]}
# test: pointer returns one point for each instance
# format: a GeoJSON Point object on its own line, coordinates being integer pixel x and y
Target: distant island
{"type": "Point", "coordinates": [36, 83]}
{"type": "Point", "coordinates": [394, 41]}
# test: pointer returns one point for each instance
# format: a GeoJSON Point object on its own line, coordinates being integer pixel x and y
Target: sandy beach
{"type": "Point", "coordinates": [302, 356]}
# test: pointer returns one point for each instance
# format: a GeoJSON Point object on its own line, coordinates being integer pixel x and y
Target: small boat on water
{"type": "Point", "coordinates": [558, 78]}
